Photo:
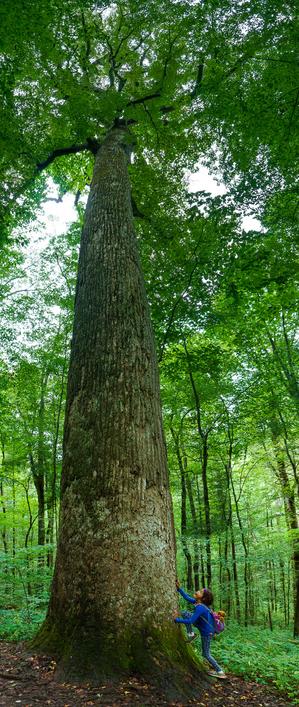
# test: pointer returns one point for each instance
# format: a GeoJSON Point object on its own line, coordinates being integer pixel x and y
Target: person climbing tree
{"type": "Point", "coordinates": [202, 618]}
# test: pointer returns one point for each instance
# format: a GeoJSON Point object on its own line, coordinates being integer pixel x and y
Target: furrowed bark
{"type": "Point", "coordinates": [113, 591]}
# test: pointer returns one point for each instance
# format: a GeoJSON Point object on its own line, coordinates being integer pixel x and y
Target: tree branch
{"type": "Point", "coordinates": [149, 97]}
{"type": "Point", "coordinates": [194, 93]}
{"type": "Point", "coordinates": [90, 144]}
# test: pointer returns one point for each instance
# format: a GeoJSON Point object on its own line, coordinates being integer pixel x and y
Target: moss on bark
{"type": "Point", "coordinates": [161, 656]}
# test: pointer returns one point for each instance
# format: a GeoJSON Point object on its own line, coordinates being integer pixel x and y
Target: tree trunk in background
{"type": "Point", "coordinates": [52, 481]}
{"type": "Point", "coordinates": [196, 528]}
{"type": "Point", "coordinates": [291, 517]}
{"type": "Point", "coordinates": [292, 522]}
{"type": "Point", "coordinates": [202, 563]}
{"type": "Point", "coordinates": [189, 579]}
{"type": "Point", "coordinates": [283, 589]}
{"type": "Point", "coordinates": [227, 594]}
{"type": "Point", "coordinates": [196, 564]}
{"type": "Point", "coordinates": [3, 531]}
{"type": "Point", "coordinates": [204, 470]}
{"type": "Point", "coordinates": [39, 483]}
{"type": "Point", "coordinates": [228, 471]}
{"type": "Point", "coordinates": [13, 521]}
{"type": "Point", "coordinates": [246, 555]}
{"type": "Point", "coordinates": [37, 465]}
{"type": "Point", "coordinates": [235, 575]}
{"type": "Point", "coordinates": [204, 467]}
{"type": "Point", "coordinates": [113, 590]}
{"type": "Point", "coordinates": [289, 591]}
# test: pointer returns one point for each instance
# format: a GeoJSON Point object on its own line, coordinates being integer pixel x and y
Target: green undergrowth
{"type": "Point", "coordinates": [269, 657]}
{"type": "Point", "coordinates": [21, 624]}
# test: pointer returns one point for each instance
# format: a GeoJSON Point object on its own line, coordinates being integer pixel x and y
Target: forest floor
{"type": "Point", "coordinates": [28, 680]}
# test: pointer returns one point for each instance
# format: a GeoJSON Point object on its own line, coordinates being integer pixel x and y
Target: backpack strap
{"type": "Point", "coordinates": [207, 622]}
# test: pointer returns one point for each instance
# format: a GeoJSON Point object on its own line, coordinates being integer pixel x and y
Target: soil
{"type": "Point", "coordinates": [28, 680]}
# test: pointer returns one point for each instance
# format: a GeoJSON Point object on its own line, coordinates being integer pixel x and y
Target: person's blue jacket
{"type": "Point", "coordinates": [201, 618]}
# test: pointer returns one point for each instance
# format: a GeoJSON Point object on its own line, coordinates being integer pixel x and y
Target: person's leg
{"type": "Point", "coordinates": [205, 644]}
{"type": "Point", "coordinates": [189, 627]}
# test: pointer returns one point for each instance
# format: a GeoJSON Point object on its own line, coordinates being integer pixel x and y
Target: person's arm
{"type": "Point", "coordinates": [186, 596]}
{"type": "Point", "coordinates": [191, 619]}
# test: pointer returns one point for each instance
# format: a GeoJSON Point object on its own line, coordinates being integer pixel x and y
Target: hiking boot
{"type": "Point", "coordinates": [214, 674]}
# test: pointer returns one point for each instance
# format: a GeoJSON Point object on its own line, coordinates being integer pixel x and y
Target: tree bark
{"type": "Point", "coordinates": [3, 531]}
{"type": "Point", "coordinates": [113, 590]}
{"type": "Point", "coordinates": [186, 551]}
{"type": "Point", "coordinates": [52, 480]}
{"type": "Point", "coordinates": [291, 517]}
{"type": "Point", "coordinates": [228, 471]}
{"type": "Point", "coordinates": [246, 555]}
{"type": "Point", "coordinates": [292, 522]}
{"type": "Point", "coordinates": [204, 465]}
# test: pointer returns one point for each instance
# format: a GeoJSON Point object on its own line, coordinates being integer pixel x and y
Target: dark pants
{"type": "Point", "coordinates": [205, 645]}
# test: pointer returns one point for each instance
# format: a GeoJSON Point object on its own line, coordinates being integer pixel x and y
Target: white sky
{"type": "Point", "coordinates": [56, 217]}
{"type": "Point", "coordinates": [202, 180]}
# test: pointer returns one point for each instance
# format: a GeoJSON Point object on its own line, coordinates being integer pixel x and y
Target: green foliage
{"type": "Point", "coordinates": [24, 595]}
{"type": "Point", "coordinates": [21, 625]}
{"type": "Point", "coordinates": [214, 82]}
{"type": "Point", "coordinates": [260, 654]}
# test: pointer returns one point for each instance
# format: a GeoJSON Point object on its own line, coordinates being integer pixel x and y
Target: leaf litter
{"type": "Point", "coordinates": [29, 680]}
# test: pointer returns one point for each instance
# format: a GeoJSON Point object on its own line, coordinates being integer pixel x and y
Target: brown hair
{"type": "Point", "coordinates": [207, 597]}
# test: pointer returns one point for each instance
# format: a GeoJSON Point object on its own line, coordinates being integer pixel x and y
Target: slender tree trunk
{"type": "Point", "coordinates": [51, 495]}
{"type": "Point", "coordinates": [201, 534]}
{"type": "Point", "coordinates": [291, 518]}
{"type": "Point", "coordinates": [207, 508]}
{"type": "Point", "coordinates": [196, 564]}
{"type": "Point", "coordinates": [27, 536]}
{"type": "Point", "coordinates": [227, 593]}
{"type": "Point", "coordinates": [202, 568]}
{"type": "Point", "coordinates": [13, 522]}
{"type": "Point", "coordinates": [289, 591]}
{"type": "Point", "coordinates": [204, 466]}
{"type": "Point", "coordinates": [270, 616]}
{"type": "Point", "coordinates": [196, 529]}
{"type": "Point", "coordinates": [38, 469]}
{"type": "Point", "coordinates": [50, 534]}
{"type": "Point", "coordinates": [113, 590]}
{"type": "Point", "coordinates": [235, 575]}
{"type": "Point", "coordinates": [186, 551]}
{"type": "Point", "coordinates": [3, 531]}
{"type": "Point", "coordinates": [246, 556]}
{"type": "Point", "coordinates": [283, 590]}
{"type": "Point", "coordinates": [40, 490]}
{"type": "Point", "coordinates": [229, 480]}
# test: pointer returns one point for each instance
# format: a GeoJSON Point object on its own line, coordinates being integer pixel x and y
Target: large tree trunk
{"type": "Point", "coordinates": [113, 591]}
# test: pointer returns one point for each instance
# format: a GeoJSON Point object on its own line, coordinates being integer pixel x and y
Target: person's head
{"type": "Point", "coordinates": [204, 596]}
